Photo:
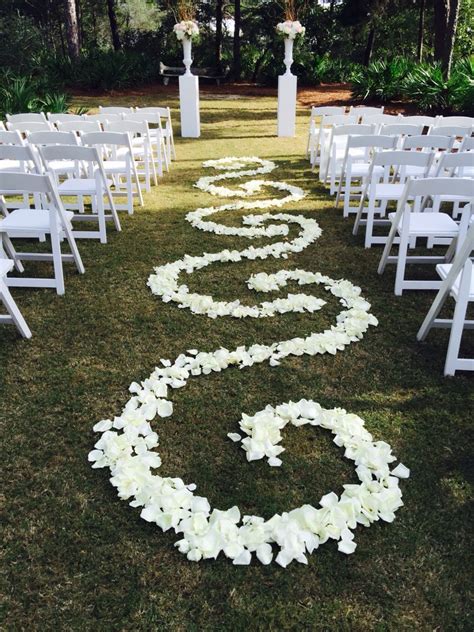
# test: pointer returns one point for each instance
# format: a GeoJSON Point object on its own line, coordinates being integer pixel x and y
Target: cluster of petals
{"type": "Point", "coordinates": [128, 444]}
{"type": "Point", "coordinates": [186, 29]}
{"type": "Point", "coordinates": [290, 29]}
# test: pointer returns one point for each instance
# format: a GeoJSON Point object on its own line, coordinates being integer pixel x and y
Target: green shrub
{"type": "Point", "coordinates": [381, 80]}
{"type": "Point", "coordinates": [26, 94]}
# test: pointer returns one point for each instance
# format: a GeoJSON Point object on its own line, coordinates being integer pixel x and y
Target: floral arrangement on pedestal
{"type": "Point", "coordinates": [290, 29]}
{"type": "Point", "coordinates": [186, 29]}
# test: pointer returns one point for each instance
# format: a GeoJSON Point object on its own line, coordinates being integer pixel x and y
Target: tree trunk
{"type": "Point", "coordinates": [237, 21]}
{"type": "Point", "coordinates": [370, 45]}
{"type": "Point", "coordinates": [72, 30]}
{"type": "Point", "coordinates": [219, 9]}
{"type": "Point", "coordinates": [446, 14]}
{"type": "Point", "coordinates": [113, 25]}
{"type": "Point", "coordinates": [421, 31]}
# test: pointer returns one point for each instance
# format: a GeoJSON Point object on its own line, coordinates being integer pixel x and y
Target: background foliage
{"type": "Point", "coordinates": [373, 43]}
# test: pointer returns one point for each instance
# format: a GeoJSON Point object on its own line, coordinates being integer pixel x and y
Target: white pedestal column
{"type": "Point", "coordinates": [287, 87]}
{"type": "Point", "coordinates": [189, 97]}
{"type": "Point", "coordinates": [189, 106]}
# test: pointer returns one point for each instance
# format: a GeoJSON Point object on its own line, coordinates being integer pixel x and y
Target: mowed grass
{"type": "Point", "coordinates": [77, 558]}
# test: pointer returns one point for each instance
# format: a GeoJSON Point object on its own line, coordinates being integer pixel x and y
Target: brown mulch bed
{"type": "Point", "coordinates": [324, 94]}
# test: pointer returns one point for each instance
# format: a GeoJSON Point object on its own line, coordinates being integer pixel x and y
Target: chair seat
{"type": "Point", "coordinates": [443, 270]}
{"type": "Point", "coordinates": [430, 225]}
{"type": "Point", "coordinates": [6, 265]}
{"type": "Point", "coordinates": [30, 220]}
{"type": "Point", "coordinates": [80, 186]}
{"type": "Point", "coordinates": [10, 165]}
{"type": "Point", "coordinates": [387, 191]}
{"type": "Point", "coordinates": [115, 166]}
{"type": "Point", "coordinates": [62, 166]}
{"type": "Point", "coordinates": [359, 169]}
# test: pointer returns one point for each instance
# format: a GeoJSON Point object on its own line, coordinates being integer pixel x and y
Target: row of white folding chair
{"type": "Point", "coordinates": [83, 176]}
{"type": "Point", "coordinates": [384, 184]}
{"type": "Point", "coordinates": [121, 168]}
{"type": "Point", "coordinates": [414, 219]}
{"type": "Point", "coordinates": [457, 282]}
{"type": "Point", "coordinates": [339, 138]}
{"type": "Point", "coordinates": [45, 218]}
{"type": "Point", "coordinates": [163, 113]}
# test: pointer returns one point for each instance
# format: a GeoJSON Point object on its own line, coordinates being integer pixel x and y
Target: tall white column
{"type": "Point", "coordinates": [189, 97]}
{"type": "Point", "coordinates": [287, 87]}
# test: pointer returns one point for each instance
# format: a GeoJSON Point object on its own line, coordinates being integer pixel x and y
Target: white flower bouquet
{"type": "Point", "coordinates": [290, 29]}
{"type": "Point", "coordinates": [186, 29]}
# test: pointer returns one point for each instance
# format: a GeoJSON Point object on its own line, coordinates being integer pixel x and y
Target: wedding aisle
{"type": "Point", "coordinates": [77, 556]}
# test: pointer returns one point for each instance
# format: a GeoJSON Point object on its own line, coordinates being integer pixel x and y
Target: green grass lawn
{"type": "Point", "coordinates": [77, 558]}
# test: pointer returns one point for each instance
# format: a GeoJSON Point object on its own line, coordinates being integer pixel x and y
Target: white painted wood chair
{"type": "Point", "coordinates": [430, 143]}
{"type": "Point", "coordinates": [139, 133]}
{"type": "Point", "coordinates": [24, 117]}
{"type": "Point", "coordinates": [316, 113]}
{"type": "Point", "coordinates": [337, 150]}
{"type": "Point", "coordinates": [380, 119]}
{"type": "Point", "coordinates": [157, 138]}
{"type": "Point", "coordinates": [67, 168]}
{"type": "Point", "coordinates": [14, 315]}
{"type": "Point", "coordinates": [63, 117]}
{"type": "Point", "coordinates": [413, 220]}
{"type": "Point", "coordinates": [400, 130]}
{"type": "Point", "coordinates": [356, 167]}
{"type": "Point", "coordinates": [114, 109]}
{"type": "Point", "coordinates": [319, 151]}
{"type": "Point", "coordinates": [457, 282]}
{"type": "Point", "coordinates": [425, 121]}
{"type": "Point", "coordinates": [29, 126]}
{"type": "Point", "coordinates": [94, 185]}
{"type": "Point", "coordinates": [103, 118]}
{"type": "Point", "coordinates": [11, 138]}
{"type": "Point", "coordinates": [380, 190]}
{"type": "Point", "coordinates": [365, 110]}
{"type": "Point", "coordinates": [79, 127]}
{"type": "Point", "coordinates": [34, 223]}
{"type": "Point", "coordinates": [122, 169]}
{"type": "Point", "coordinates": [167, 130]}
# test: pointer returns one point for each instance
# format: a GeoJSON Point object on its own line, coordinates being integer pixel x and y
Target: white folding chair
{"type": "Point", "coordinates": [115, 110]}
{"type": "Point", "coordinates": [62, 117]}
{"type": "Point", "coordinates": [157, 138]}
{"type": "Point", "coordinates": [79, 127]}
{"type": "Point", "coordinates": [464, 121]}
{"type": "Point", "coordinates": [11, 138]}
{"type": "Point", "coordinates": [95, 186]}
{"type": "Point", "coordinates": [29, 126]}
{"type": "Point", "coordinates": [316, 113]}
{"type": "Point", "coordinates": [337, 150]}
{"type": "Point", "coordinates": [356, 167]}
{"type": "Point", "coordinates": [122, 169]}
{"type": "Point", "coordinates": [167, 130]}
{"type": "Point", "coordinates": [18, 158]}
{"type": "Point", "coordinates": [386, 188]}
{"type": "Point", "coordinates": [141, 147]}
{"type": "Point", "coordinates": [414, 220]}
{"type": "Point", "coordinates": [401, 130]}
{"type": "Point", "coordinates": [24, 117]}
{"type": "Point", "coordinates": [14, 315]}
{"type": "Point", "coordinates": [457, 282]}
{"type": "Point", "coordinates": [319, 150]}
{"type": "Point", "coordinates": [380, 119]}
{"type": "Point", "coordinates": [33, 223]}
{"type": "Point", "coordinates": [363, 110]}
{"type": "Point", "coordinates": [103, 118]}
{"type": "Point", "coordinates": [431, 143]}
{"type": "Point", "coordinates": [426, 121]}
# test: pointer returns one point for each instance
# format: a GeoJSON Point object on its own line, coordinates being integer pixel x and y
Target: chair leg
{"type": "Point", "coordinates": [369, 227]}
{"type": "Point", "coordinates": [11, 252]}
{"type": "Point", "coordinates": [101, 218]}
{"type": "Point", "coordinates": [13, 310]}
{"type": "Point", "coordinates": [401, 262]}
{"type": "Point", "coordinates": [458, 323]}
{"type": "Point", "coordinates": [57, 261]}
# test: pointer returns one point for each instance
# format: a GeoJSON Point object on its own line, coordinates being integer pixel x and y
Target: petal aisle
{"type": "Point", "coordinates": [127, 445]}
